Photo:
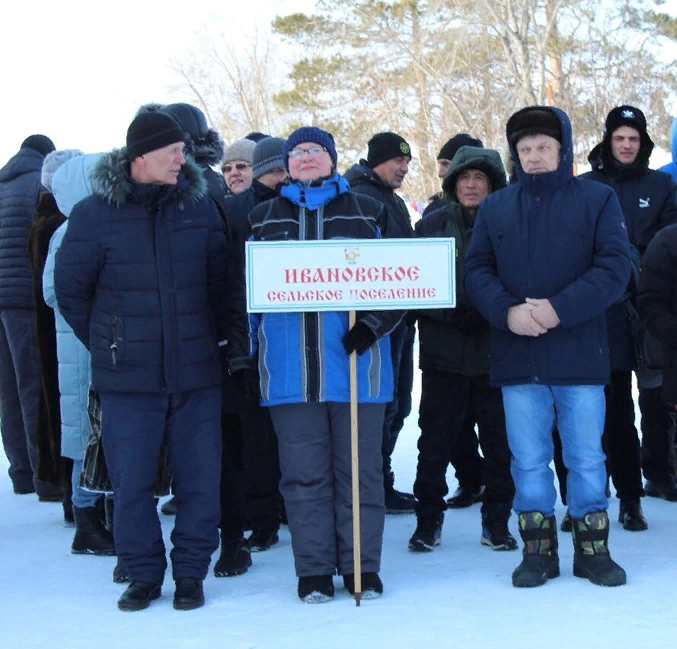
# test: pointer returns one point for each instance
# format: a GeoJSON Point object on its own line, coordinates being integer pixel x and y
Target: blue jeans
{"type": "Point", "coordinates": [81, 497]}
{"type": "Point", "coordinates": [531, 411]}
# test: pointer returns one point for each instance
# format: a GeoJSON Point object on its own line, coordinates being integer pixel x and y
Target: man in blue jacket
{"type": "Point", "coordinates": [141, 278]}
{"type": "Point", "coordinates": [548, 256]}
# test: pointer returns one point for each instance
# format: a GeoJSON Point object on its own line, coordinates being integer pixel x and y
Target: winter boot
{"type": "Point", "coordinates": [540, 561]}
{"type": "Point", "coordinates": [428, 534]}
{"type": "Point", "coordinates": [566, 523]}
{"type": "Point", "coordinates": [372, 586]}
{"type": "Point", "coordinates": [68, 517]}
{"type": "Point", "coordinates": [235, 558]}
{"type": "Point", "coordinates": [465, 497]}
{"type": "Point", "coordinates": [120, 575]}
{"type": "Point", "coordinates": [262, 539]}
{"type": "Point", "coordinates": [630, 515]}
{"type": "Point", "coordinates": [398, 502]}
{"type": "Point", "coordinates": [495, 531]}
{"type": "Point", "coordinates": [189, 594]}
{"type": "Point", "coordinates": [91, 537]}
{"type": "Point", "coordinates": [316, 589]}
{"type": "Point", "coordinates": [169, 508]}
{"type": "Point", "coordinates": [591, 551]}
{"type": "Point", "coordinates": [139, 595]}
{"type": "Point", "coordinates": [665, 489]}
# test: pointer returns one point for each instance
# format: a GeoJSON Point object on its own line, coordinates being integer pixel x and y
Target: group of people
{"type": "Point", "coordinates": [124, 335]}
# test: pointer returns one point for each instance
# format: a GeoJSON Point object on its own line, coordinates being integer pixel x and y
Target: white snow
{"type": "Point", "coordinates": [459, 596]}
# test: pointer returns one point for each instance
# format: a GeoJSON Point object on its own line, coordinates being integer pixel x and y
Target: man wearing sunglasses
{"type": "Point", "coordinates": [237, 166]}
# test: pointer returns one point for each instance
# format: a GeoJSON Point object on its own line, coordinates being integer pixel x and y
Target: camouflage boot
{"type": "Point", "coordinates": [540, 561]}
{"type": "Point", "coordinates": [591, 551]}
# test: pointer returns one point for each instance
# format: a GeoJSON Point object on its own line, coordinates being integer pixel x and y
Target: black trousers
{"type": "Point", "coordinates": [448, 403]}
{"type": "Point", "coordinates": [465, 457]}
{"type": "Point", "coordinates": [620, 440]}
{"type": "Point", "coordinates": [658, 436]}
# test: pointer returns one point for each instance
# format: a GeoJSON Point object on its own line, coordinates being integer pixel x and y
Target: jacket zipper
{"type": "Point", "coordinates": [114, 344]}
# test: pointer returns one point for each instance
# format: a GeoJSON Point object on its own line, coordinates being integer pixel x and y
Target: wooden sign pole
{"type": "Point", "coordinates": [357, 549]}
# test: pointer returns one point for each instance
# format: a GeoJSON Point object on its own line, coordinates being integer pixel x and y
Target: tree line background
{"type": "Point", "coordinates": [428, 69]}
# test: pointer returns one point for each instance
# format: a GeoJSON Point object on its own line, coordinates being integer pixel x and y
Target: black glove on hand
{"type": "Point", "coordinates": [359, 339]}
{"type": "Point", "coordinates": [246, 386]}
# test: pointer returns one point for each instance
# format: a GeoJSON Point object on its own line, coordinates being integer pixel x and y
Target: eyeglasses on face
{"type": "Point", "coordinates": [297, 154]}
{"type": "Point", "coordinates": [240, 166]}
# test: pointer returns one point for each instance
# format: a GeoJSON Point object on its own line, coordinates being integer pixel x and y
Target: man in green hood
{"type": "Point", "coordinates": [455, 361]}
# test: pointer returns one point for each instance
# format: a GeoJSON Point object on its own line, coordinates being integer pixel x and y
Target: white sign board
{"type": "Point", "coordinates": [350, 274]}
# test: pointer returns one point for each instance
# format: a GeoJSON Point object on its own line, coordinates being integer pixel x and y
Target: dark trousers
{"type": "Point", "coordinates": [402, 354]}
{"type": "Point", "coordinates": [20, 398]}
{"type": "Point", "coordinates": [448, 402]}
{"type": "Point", "coordinates": [465, 457]}
{"type": "Point", "coordinates": [232, 491]}
{"type": "Point", "coordinates": [133, 429]}
{"type": "Point", "coordinates": [620, 440]}
{"type": "Point", "coordinates": [658, 436]}
{"type": "Point", "coordinates": [315, 462]}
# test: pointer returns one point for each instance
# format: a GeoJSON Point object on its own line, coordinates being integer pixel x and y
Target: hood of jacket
{"type": "Point", "coordinates": [565, 170]}
{"type": "Point", "coordinates": [601, 158]}
{"type": "Point", "coordinates": [71, 182]}
{"type": "Point", "coordinates": [25, 161]}
{"type": "Point", "coordinates": [487, 161]}
{"type": "Point", "coordinates": [111, 181]}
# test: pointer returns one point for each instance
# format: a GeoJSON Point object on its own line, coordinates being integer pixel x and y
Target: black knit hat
{"type": "Point", "coordinates": [534, 120]}
{"type": "Point", "coordinates": [40, 143]}
{"type": "Point", "coordinates": [448, 151]}
{"type": "Point", "coordinates": [386, 146]}
{"type": "Point", "coordinates": [152, 130]}
{"type": "Point", "coordinates": [625, 116]}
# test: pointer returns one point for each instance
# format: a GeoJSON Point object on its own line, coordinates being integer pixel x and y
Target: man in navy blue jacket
{"type": "Point", "coordinates": [548, 256]}
{"type": "Point", "coordinates": [141, 279]}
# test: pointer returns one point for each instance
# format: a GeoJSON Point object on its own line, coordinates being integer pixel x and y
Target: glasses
{"type": "Point", "coordinates": [297, 154]}
{"type": "Point", "coordinates": [240, 166]}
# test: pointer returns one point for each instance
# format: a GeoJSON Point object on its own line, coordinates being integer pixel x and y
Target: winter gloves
{"type": "Point", "coordinates": [359, 339]}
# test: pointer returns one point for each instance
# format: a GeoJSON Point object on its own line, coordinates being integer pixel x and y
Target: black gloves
{"type": "Point", "coordinates": [245, 384]}
{"type": "Point", "coordinates": [359, 339]}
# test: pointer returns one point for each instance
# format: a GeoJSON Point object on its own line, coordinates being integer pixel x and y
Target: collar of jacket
{"type": "Point", "coordinates": [313, 196]}
{"type": "Point", "coordinates": [601, 160]}
{"type": "Point", "coordinates": [111, 181]}
{"type": "Point", "coordinates": [263, 192]}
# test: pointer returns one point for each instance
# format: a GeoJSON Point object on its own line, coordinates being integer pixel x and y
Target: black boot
{"type": "Point", "coordinates": [235, 558]}
{"type": "Point", "coordinates": [139, 595]}
{"type": "Point", "coordinates": [495, 531]}
{"type": "Point", "coordinates": [316, 589]}
{"type": "Point", "coordinates": [91, 537]}
{"type": "Point", "coordinates": [189, 594]}
{"type": "Point", "coordinates": [398, 502]}
{"type": "Point", "coordinates": [120, 575]}
{"type": "Point", "coordinates": [566, 523]}
{"type": "Point", "coordinates": [665, 489]}
{"type": "Point", "coordinates": [169, 508]}
{"type": "Point", "coordinates": [465, 497]}
{"type": "Point", "coordinates": [263, 538]}
{"type": "Point", "coordinates": [428, 534]}
{"type": "Point", "coordinates": [630, 515]}
{"type": "Point", "coordinates": [540, 561]}
{"type": "Point", "coordinates": [372, 586]}
{"type": "Point", "coordinates": [591, 551]}
{"type": "Point", "coordinates": [68, 517]}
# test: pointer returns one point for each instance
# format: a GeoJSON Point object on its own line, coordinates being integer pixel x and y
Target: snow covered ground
{"type": "Point", "coordinates": [459, 596]}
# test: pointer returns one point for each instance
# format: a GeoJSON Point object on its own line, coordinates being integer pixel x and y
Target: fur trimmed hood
{"type": "Point", "coordinates": [111, 180]}
{"type": "Point", "coordinates": [203, 144]}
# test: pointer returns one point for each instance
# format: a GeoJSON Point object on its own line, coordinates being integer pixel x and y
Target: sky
{"type": "Point", "coordinates": [77, 70]}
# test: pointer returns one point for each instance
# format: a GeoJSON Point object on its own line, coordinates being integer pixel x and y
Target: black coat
{"type": "Point", "coordinates": [20, 188]}
{"type": "Point", "coordinates": [657, 302]}
{"type": "Point", "coordinates": [648, 199]}
{"type": "Point", "coordinates": [363, 180]}
{"type": "Point", "coordinates": [141, 278]}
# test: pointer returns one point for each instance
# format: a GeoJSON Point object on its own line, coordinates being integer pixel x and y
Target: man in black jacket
{"type": "Point", "coordinates": [20, 188]}
{"type": "Point", "coordinates": [648, 200]}
{"type": "Point", "coordinates": [379, 176]}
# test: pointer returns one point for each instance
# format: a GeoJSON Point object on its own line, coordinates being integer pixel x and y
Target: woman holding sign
{"type": "Point", "coordinates": [304, 377]}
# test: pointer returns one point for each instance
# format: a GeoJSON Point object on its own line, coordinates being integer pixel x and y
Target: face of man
{"type": "Point", "coordinates": [238, 175]}
{"type": "Point", "coordinates": [393, 171]}
{"type": "Point", "coordinates": [309, 161]}
{"type": "Point", "coordinates": [538, 154]}
{"type": "Point", "coordinates": [472, 187]}
{"type": "Point", "coordinates": [159, 167]}
{"type": "Point", "coordinates": [442, 167]}
{"type": "Point", "coordinates": [625, 143]}
{"type": "Point", "coordinates": [273, 178]}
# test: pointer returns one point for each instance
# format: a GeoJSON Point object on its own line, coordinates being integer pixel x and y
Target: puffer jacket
{"type": "Point", "coordinates": [20, 188]}
{"type": "Point", "coordinates": [300, 355]}
{"type": "Point", "coordinates": [558, 237]}
{"type": "Point", "coordinates": [141, 278]}
{"type": "Point", "coordinates": [70, 185]}
{"type": "Point", "coordinates": [671, 167]}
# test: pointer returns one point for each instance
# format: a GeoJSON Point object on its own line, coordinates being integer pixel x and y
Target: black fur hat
{"type": "Point", "coordinates": [534, 120]}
